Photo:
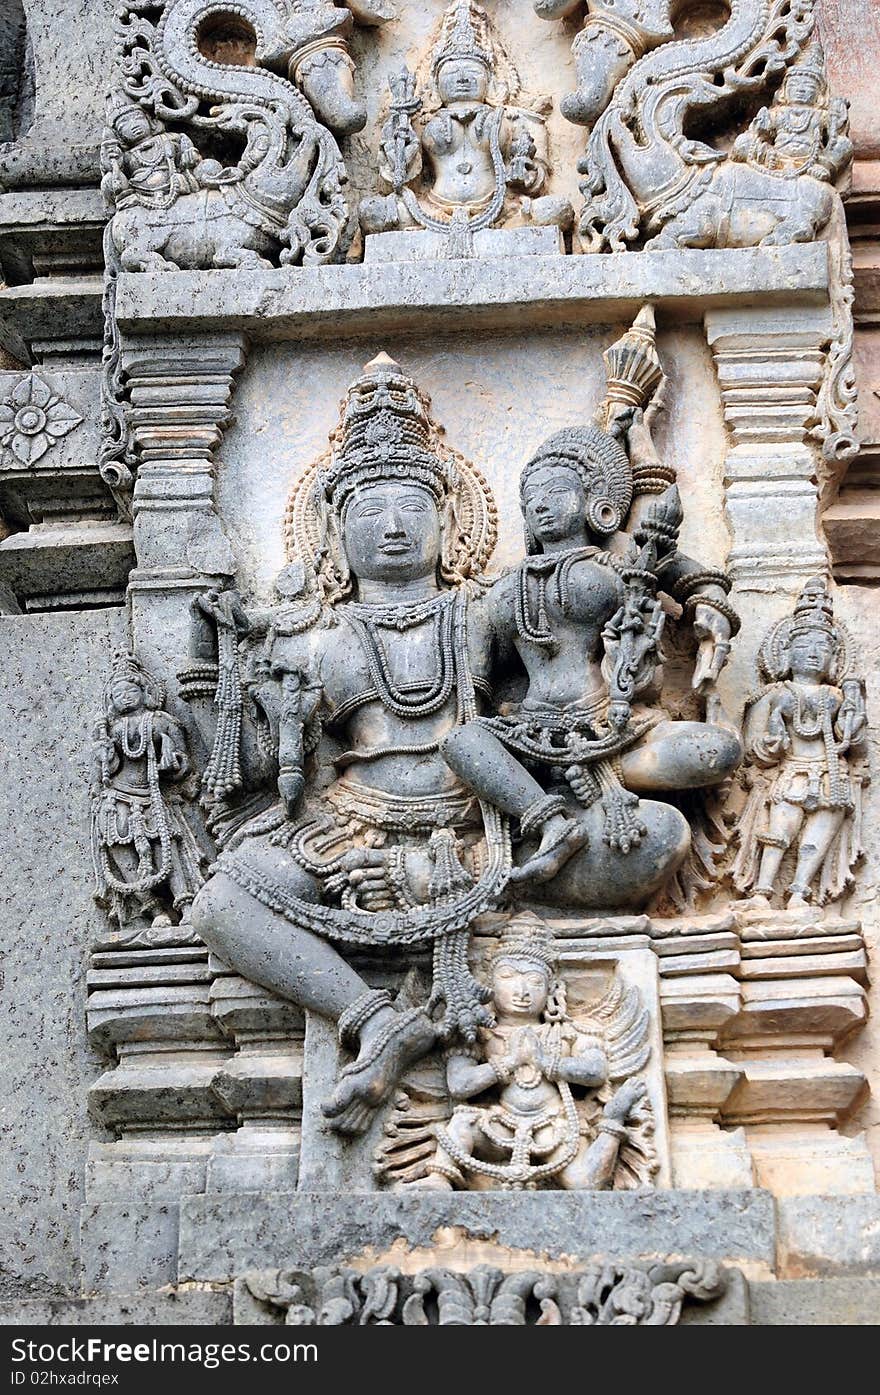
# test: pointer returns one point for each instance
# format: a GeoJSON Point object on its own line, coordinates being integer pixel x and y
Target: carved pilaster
{"type": "Point", "coordinates": [770, 365]}
{"type": "Point", "coordinates": [179, 394]}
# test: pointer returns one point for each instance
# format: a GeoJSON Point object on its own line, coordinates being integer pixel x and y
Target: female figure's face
{"type": "Point", "coordinates": [462, 80]}
{"type": "Point", "coordinates": [554, 503]}
{"type": "Point", "coordinates": [391, 532]}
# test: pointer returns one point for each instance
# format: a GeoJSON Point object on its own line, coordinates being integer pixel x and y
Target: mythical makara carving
{"type": "Point", "coordinates": [532, 1104]}
{"type": "Point", "coordinates": [604, 1295]}
{"type": "Point", "coordinates": [805, 734]}
{"type": "Point", "coordinates": [282, 198]}
{"type": "Point", "coordinates": [361, 790]}
{"type": "Point", "coordinates": [211, 163]}
{"type": "Point", "coordinates": [462, 148]}
{"type": "Point", "coordinates": [650, 180]}
{"type": "Point", "coordinates": [148, 850]}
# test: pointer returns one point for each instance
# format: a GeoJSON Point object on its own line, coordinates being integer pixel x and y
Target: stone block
{"type": "Point", "coordinates": [221, 1237]}
{"type": "Point", "coordinates": [193, 1307]}
{"type": "Point", "coordinates": [128, 1247]}
{"type": "Point", "coordinates": [828, 1235]}
{"type": "Point", "coordinates": [815, 1302]}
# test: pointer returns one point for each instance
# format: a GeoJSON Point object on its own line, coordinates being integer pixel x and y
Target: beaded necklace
{"type": "Point", "coordinates": [408, 699]}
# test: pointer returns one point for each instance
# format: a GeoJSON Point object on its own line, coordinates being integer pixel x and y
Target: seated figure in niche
{"type": "Point", "coordinates": [804, 130]}
{"type": "Point", "coordinates": [541, 1099]}
{"type": "Point", "coordinates": [374, 839]}
{"type": "Point", "coordinates": [476, 159]}
{"type": "Point", "coordinates": [146, 164]}
{"type": "Point", "coordinates": [805, 733]}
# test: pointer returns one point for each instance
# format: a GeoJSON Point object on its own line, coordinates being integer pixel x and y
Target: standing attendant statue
{"type": "Point", "coordinates": [805, 735]}
{"type": "Point", "coordinates": [147, 857]}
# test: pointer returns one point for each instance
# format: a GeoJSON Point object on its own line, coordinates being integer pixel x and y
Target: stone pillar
{"type": "Point", "coordinates": [179, 394]}
{"type": "Point", "coordinates": [769, 365]}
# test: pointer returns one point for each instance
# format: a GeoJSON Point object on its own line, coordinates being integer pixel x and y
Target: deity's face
{"type": "Point", "coordinates": [132, 126]}
{"type": "Point", "coordinates": [811, 655]}
{"type": "Point", "coordinates": [520, 988]}
{"type": "Point", "coordinates": [391, 532]}
{"type": "Point", "coordinates": [802, 89]}
{"type": "Point", "coordinates": [126, 695]}
{"type": "Point", "coordinates": [554, 503]}
{"type": "Point", "coordinates": [462, 80]}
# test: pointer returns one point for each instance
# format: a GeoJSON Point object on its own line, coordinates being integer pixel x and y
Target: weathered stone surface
{"type": "Point", "coordinates": [202, 1309]}
{"type": "Point", "coordinates": [126, 1247]}
{"type": "Point", "coordinates": [819, 1302]}
{"type": "Point", "coordinates": [222, 1238]}
{"type": "Point", "coordinates": [824, 1235]}
{"type": "Point", "coordinates": [51, 678]}
{"type": "Point", "coordinates": [535, 291]}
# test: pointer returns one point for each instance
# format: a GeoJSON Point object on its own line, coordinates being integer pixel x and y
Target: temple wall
{"type": "Point", "coordinates": [162, 1122]}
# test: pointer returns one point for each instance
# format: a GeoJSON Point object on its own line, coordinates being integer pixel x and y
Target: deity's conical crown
{"type": "Point", "coordinates": [385, 434]}
{"type": "Point", "coordinates": [814, 610]}
{"type": "Point", "coordinates": [460, 35]}
{"type": "Point", "coordinates": [811, 61]}
{"type": "Point", "coordinates": [526, 937]}
{"type": "Point", "coordinates": [632, 364]}
{"type": "Point", "coordinates": [127, 668]}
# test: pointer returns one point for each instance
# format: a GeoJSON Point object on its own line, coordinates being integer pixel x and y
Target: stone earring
{"type": "Point", "coordinates": [603, 515]}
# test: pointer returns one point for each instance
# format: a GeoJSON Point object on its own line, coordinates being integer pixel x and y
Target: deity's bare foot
{"type": "Point", "coordinates": [797, 902]}
{"type": "Point", "coordinates": [562, 838]}
{"type": "Point", "coordinates": [389, 1042]}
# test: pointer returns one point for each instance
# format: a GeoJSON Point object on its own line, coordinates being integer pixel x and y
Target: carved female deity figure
{"type": "Point", "coordinates": [519, 1093]}
{"type": "Point", "coordinates": [143, 163]}
{"type": "Point", "coordinates": [582, 615]}
{"type": "Point", "coordinates": [804, 734]}
{"type": "Point", "coordinates": [474, 145]}
{"type": "Point", "coordinates": [146, 855]}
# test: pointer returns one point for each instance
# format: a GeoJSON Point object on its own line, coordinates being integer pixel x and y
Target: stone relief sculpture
{"type": "Point", "coordinates": [32, 418]}
{"type": "Point", "coordinates": [603, 1295]}
{"type": "Point", "coordinates": [533, 1099]}
{"type": "Point", "coordinates": [612, 37]}
{"type": "Point", "coordinates": [649, 180]}
{"type": "Point", "coordinates": [805, 734]}
{"type": "Point", "coordinates": [148, 858]}
{"type": "Point", "coordinates": [379, 663]}
{"type": "Point", "coordinates": [476, 154]}
{"type": "Point", "coordinates": [172, 205]}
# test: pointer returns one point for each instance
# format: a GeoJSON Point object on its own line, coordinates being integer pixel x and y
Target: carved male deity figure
{"type": "Point", "coordinates": [474, 146]}
{"type": "Point", "coordinates": [805, 733]}
{"type": "Point", "coordinates": [518, 1092]}
{"type": "Point", "coordinates": [147, 857]}
{"type": "Point", "coordinates": [804, 130]}
{"type": "Point", "coordinates": [144, 163]}
{"type": "Point", "coordinates": [349, 822]}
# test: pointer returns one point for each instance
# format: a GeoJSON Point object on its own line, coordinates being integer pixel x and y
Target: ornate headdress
{"type": "Point", "coordinates": [127, 668]}
{"type": "Point", "coordinates": [811, 62]}
{"type": "Point", "coordinates": [386, 431]}
{"type": "Point", "coordinates": [603, 467]}
{"type": "Point", "coordinates": [813, 612]}
{"type": "Point", "coordinates": [632, 365]}
{"type": "Point", "coordinates": [462, 31]}
{"type": "Point", "coordinates": [814, 609]}
{"type": "Point", "coordinates": [385, 434]}
{"type": "Point", "coordinates": [526, 937]}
